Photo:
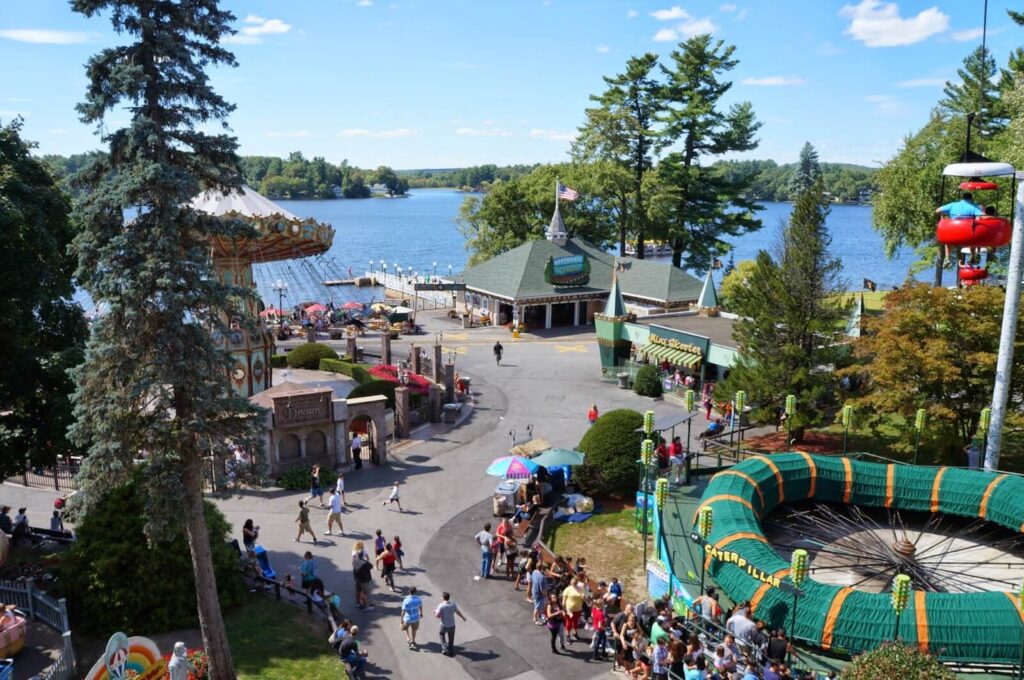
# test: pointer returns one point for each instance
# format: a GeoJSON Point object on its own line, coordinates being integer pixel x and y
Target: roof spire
{"type": "Point", "coordinates": [556, 232]}
{"type": "Point", "coordinates": [708, 296]}
{"type": "Point", "coordinates": [615, 305]}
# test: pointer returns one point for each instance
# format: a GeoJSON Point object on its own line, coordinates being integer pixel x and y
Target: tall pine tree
{"type": "Point", "coordinates": [976, 93]}
{"type": "Point", "coordinates": [699, 204]}
{"type": "Point", "coordinates": [154, 382]}
{"type": "Point", "coordinates": [807, 172]}
{"type": "Point", "coordinates": [621, 129]}
{"type": "Point", "coordinates": [791, 320]}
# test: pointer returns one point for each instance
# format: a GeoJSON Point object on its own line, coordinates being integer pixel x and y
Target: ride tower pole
{"type": "Point", "coordinates": [1011, 309]}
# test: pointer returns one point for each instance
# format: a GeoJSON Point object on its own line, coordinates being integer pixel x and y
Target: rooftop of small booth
{"type": "Point", "coordinates": [668, 421]}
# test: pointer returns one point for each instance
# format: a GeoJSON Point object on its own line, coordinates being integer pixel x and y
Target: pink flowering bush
{"type": "Point", "coordinates": [417, 383]}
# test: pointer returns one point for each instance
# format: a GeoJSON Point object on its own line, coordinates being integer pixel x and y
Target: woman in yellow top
{"type": "Point", "coordinates": [572, 601]}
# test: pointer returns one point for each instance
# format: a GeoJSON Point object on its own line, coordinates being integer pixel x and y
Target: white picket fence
{"type": "Point", "coordinates": [405, 286]}
{"type": "Point", "coordinates": [54, 613]}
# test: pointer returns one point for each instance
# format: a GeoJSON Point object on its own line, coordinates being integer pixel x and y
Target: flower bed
{"type": "Point", "coordinates": [417, 383]}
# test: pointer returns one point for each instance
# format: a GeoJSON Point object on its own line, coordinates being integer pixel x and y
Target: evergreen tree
{"type": "Point", "coordinates": [698, 204]}
{"type": "Point", "coordinates": [620, 129]}
{"type": "Point", "coordinates": [807, 170]}
{"type": "Point", "coordinates": [45, 330]}
{"type": "Point", "coordinates": [976, 94]}
{"type": "Point", "coordinates": [155, 381]}
{"type": "Point", "coordinates": [791, 320]}
{"type": "Point", "coordinates": [730, 265]}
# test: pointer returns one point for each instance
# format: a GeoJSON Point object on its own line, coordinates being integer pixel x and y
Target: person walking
{"type": "Point", "coordinates": [538, 592]}
{"type": "Point", "coordinates": [412, 613]}
{"type": "Point", "coordinates": [315, 490]}
{"type": "Point", "coordinates": [572, 605]}
{"type": "Point", "coordinates": [678, 461]}
{"type": "Point", "coordinates": [250, 534]}
{"type": "Point", "coordinates": [303, 521]}
{"type": "Point", "coordinates": [592, 414]}
{"type": "Point", "coordinates": [393, 498]}
{"type": "Point", "coordinates": [357, 451]}
{"type": "Point", "coordinates": [484, 540]}
{"type": "Point", "coordinates": [498, 350]}
{"type": "Point", "coordinates": [335, 514]}
{"type": "Point", "coordinates": [362, 574]}
{"type": "Point", "coordinates": [386, 560]}
{"type": "Point", "coordinates": [554, 615]}
{"type": "Point", "coordinates": [339, 487]}
{"type": "Point", "coordinates": [446, 612]}
{"type": "Point", "coordinates": [307, 569]}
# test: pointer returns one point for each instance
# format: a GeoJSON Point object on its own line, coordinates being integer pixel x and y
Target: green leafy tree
{"type": "Point", "coordinates": [896, 660]}
{"type": "Point", "coordinates": [45, 332]}
{"type": "Point", "coordinates": [612, 447]}
{"type": "Point", "coordinates": [698, 206]}
{"type": "Point", "coordinates": [735, 281]}
{"type": "Point", "coordinates": [108, 567]}
{"type": "Point", "coordinates": [933, 348]}
{"type": "Point", "coordinates": [648, 383]}
{"type": "Point", "coordinates": [154, 380]}
{"type": "Point", "coordinates": [620, 129]}
{"type": "Point", "coordinates": [791, 320]}
{"type": "Point", "coordinates": [808, 170]}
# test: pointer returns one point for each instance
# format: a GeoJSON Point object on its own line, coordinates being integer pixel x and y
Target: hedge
{"type": "Point", "coordinates": [297, 479]}
{"type": "Point", "coordinates": [278, 360]}
{"type": "Point", "coordinates": [373, 388]}
{"type": "Point", "coordinates": [612, 445]}
{"type": "Point", "coordinates": [648, 382]}
{"type": "Point", "coordinates": [354, 371]}
{"type": "Point", "coordinates": [308, 355]}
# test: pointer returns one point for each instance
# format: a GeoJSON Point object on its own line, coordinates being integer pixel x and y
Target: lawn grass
{"type": "Point", "coordinates": [273, 640]}
{"type": "Point", "coordinates": [611, 545]}
{"type": "Point", "coordinates": [874, 302]}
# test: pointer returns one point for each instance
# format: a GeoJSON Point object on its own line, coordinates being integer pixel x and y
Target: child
{"type": "Point", "coordinates": [600, 632]}
{"type": "Point", "coordinates": [393, 498]}
{"type": "Point", "coordinates": [289, 585]}
{"type": "Point", "coordinates": [524, 568]}
{"type": "Point", "coordinates": [379, 543]}
{"type": "Point", "coordinates": [396, 542]}
{"type": "Point", "coordinates": [510, 560]}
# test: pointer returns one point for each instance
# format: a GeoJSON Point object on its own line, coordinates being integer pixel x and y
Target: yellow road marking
{"type": "Point", "coordinates": [457, 350]}
{"type": "Point", "coordinates": [457, 336]}
{"type": "Point", "coordinates": [570, 348]}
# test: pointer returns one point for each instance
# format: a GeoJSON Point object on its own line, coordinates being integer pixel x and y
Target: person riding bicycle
{"type": "Point", "coordinates": [498, 349]}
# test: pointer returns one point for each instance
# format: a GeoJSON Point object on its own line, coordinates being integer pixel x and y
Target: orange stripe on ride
{"type": "Point", "coordinates": [890, 480]}
{"type": "Point", "coordinates": [935, 490]}
{"type": "Point", "coordinates": [748, 478]}
{"type": "Point", "coordinates": [922, 621]}
{"type": "Point", "coordinates": [833, 615]}
{"type": "Point", "coordinates": [778, 475]}
{"type": "Point", "coordinates": [764, 587]}
{"type": "Point", "coordinates": [983, 509]}
{"type": "Point", "coordinates": [1016, 604]}
{"type": "Point", "coordinates": [847, 480]}
{"type": "Point", "coordinates": [814, 472]}
{"type": "Point", "coordinates": [734, 537]}
{"type": "Point", "coordinates": [724, 497]}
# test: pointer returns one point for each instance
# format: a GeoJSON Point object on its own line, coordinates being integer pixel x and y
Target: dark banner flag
{"type": "Point", "coordinates": [870, 285]}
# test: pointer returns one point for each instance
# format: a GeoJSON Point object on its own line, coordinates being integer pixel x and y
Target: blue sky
{"type": "Point", "coordinates": [445, 83]}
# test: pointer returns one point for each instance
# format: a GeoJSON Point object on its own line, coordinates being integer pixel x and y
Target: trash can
{"type": "Point", "coordinates": [623, 381]}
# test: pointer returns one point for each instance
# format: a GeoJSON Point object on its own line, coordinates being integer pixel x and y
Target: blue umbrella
{"type": "Point", "coordinates": [558, 457]}
{"type": "Point", "coordinates": [512, 467]}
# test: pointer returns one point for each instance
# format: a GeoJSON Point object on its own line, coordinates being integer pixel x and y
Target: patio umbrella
{"type": "Point", "coordinates": [352, 305]}
{"type": "Point", "coordinates": [273, 311]}
{"type": "Point", "coordinates": [316, 309]}
{"type": "Point", "coordinates": [511, 467]}
{"type": "Point", "coordinates": [558, 457]}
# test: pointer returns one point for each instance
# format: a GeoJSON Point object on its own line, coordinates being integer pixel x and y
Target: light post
{"type": "Point", "coordinates": [920, 419]}
{"type": "Point", "coordinates": [797, 574]}
{"type": "Point", "coordinates": [282, 288]}
{"type": "Point", "coordinates": [691, 402]}
{"type": "Point", "coordinates": [790, 413]}
{"type": "Point", "coordinates": [449, 271]}
{"type": "Point", "coordinates": [704, 523]}
{"type": "Point", "coordinates": [900, 599]}
{"type": "Point", "coordinates": [646, 454]}
{"type": "Point", "coordinates": [435, 268]}
{"type": "Point", "coordinates": [660, 495]}
{"type": "Point", "coordinates": [740, 401]}
{"type": "Point", "coordinates": [847, 420]}
{"type": "Point", "coordinates": [371, 266]}
{"type": "Point", "coordinates": [984, 420]}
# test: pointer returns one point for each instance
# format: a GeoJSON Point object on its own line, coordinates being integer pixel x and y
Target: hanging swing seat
{"type": "Point", "coordinates": [970, 275]}
{"type": "Point", "coordinates": [989, 231]}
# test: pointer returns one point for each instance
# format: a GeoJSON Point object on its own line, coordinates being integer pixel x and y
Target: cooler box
{"type": "Point", "coordinates": [505, 497]}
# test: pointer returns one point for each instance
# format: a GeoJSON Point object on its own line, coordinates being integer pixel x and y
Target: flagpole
{"type": "Point", "coordinates": [557, 182]}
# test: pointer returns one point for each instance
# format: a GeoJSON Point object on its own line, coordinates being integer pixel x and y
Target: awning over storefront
{"type": "Point", "coordinates": [675, 357]}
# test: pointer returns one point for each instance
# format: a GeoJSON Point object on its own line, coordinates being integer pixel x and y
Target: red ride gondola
{"type": "Point", "coordinates": [972, 274]}
{"type": "Point", "coordinates": [985, 231]}
{"type": "Point", "coordinates": [978, 185]}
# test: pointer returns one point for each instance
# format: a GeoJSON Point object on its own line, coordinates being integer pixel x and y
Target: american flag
{"type": "Point", "coordinates": [566, 193]}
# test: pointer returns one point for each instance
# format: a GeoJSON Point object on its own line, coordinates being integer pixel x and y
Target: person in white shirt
{"type": "Point", "coordinates": [335, 514]}
{"type": "Point", "coordinates": [393, 498]}
{"type": "Point", "coordinates": [339, 487]}
{"type": "Point", "coordinates": [484, 540]}
{"type": "Point", "coordinates": [357, 449]}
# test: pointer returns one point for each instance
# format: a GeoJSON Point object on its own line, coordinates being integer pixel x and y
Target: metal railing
{"type": "Point", "coordinates": [59, 477]}
{"type": "Point", "coordinates": [54, 613]}
{"type": "Point", "coordinates": [405, 285]}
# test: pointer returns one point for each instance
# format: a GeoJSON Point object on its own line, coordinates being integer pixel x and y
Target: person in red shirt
{"type": "Point", "coordinates": [663, 453]}
{"type": "Point", "coordinates": [592, 414]}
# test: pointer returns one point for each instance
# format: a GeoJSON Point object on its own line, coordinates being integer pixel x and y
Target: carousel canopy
{"type": "Point", "coordinates": [989, 169]}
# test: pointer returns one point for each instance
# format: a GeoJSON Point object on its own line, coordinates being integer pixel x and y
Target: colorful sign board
{"type": "Point", "coordinates": [675, 344]}
{"type": "Point", "coordinates": [571, 270]}
{"type": "Point", "coordinates": [733, 557]}
{"type": "Point", "coordinates": [125, 654]}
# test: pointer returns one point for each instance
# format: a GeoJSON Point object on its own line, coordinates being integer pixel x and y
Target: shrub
{"type": "Point", "coordinates": [354, 371]}
{"type": "Point", "coordinates": [417, 383]}
{"type": "Point", "coordinates": [308, 355]}
{"type": "Point", "coordinates": [278, 360]}
{"type": "Point", "coordinates": [895, 660]}
{"type": "Point", "coordinates": [114, 581]}
{"type": "Point", "coordinates": [297, 479]}
{"type": "Point", "coordinates": [648, 382]}
{"type": "Point", "coordinates": [375, 387]}
{"type": "Point", "coordinates": [612, 445]}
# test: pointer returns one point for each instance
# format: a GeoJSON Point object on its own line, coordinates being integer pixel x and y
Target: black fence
{"type": "Point", "coordinates": [59, 477]}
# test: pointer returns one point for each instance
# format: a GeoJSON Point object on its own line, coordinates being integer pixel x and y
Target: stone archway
{"type": "Point", "coordinates": [371, 411]}
{"type": "Point", "coordinates": [316, 444]}
{"type": "Point", "coordinates": [289, 448]}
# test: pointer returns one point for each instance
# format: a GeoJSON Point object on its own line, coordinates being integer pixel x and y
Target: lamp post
{"type": "Point", "coordinates": [984, 420]}
{"type": "Point", "coordinates": [691, 402]}
{"type": "Point", "coordinates": [646, 454]}
{"type": "Point", "coordinates": [797, 574]}
{"type": "Point", "coordinates": [704, 523]}
{"type": "Point", "coordinates": [900, 599]}
{"type": "Point", "coordinates": [920, 419]}
{"type": "Point", "coordinates": [282, 288]}
{"type": "Point", "coordinates": [435, 267]}
{"type": "Point", "coordinates": [790, 412]}
{"type": "Point", "coordinates": [739, 402]}
{"type": "Point", "coordinates": [449, 271]}
{"type": "Point", "coordinates": [660, 496]}
{"type": "Point", "coordinates": [847, 420]}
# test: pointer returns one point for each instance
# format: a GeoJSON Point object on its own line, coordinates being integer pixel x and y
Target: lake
{"type": "Point", "coordinates": [420, 233]}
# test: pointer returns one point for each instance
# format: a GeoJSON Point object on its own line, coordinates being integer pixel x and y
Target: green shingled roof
{"type": "Point", "coordinates": [518, 274]}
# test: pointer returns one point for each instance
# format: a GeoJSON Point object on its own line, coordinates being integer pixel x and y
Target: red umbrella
{"type": "Point", "coordinates": [271, 311]}
{"type": "Point", "coordinates": [352, 305]}
{"type": "Point", "coordinates": [316, 309]}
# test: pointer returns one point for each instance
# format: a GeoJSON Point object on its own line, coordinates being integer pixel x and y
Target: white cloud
{"type": "Point", "coordinates": [632, 14]}
{"type": "Point", "coordinates": [922, 82]}
{"type": "Point", "coordinates": [674, 12]}
{"type": "Point", "coordinates": [256, 27]}
{"type": "Point", "coordinates": [879, 24]}
{"type": "Point", "coordinates": [742, 14]}
{"type": "Point", "coordinates": [45, 37]}
{"type": "Point", "coordinates": [365, 3]}
{"type": "Point", "coordinates": [887, 106]}
{"type": "Point", "coordinates": [967, 34]}
{"type": "Point", "coordinates": [604, 49]}
{"type": "Point", "coordinates": [727, 8]}
{"type": "Point", "coordinates": [482, 132]}
{"type": "Point", "coordinates": [687, 29]}
{"type": "Point", "coordinates": [774, 81]}
{"type": "Point", "coordinates": [58, 131]}
{"type": "Point", "coordinates": [666, 35]}
{"type": "Point", "coordinates": [290, 133]}
{"type": "Point", "coordinates": [378, 134]}
{"type": "Point", "coordinates": [554, 135]}
{"type": "Point", "coordinates": [8, 113]}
